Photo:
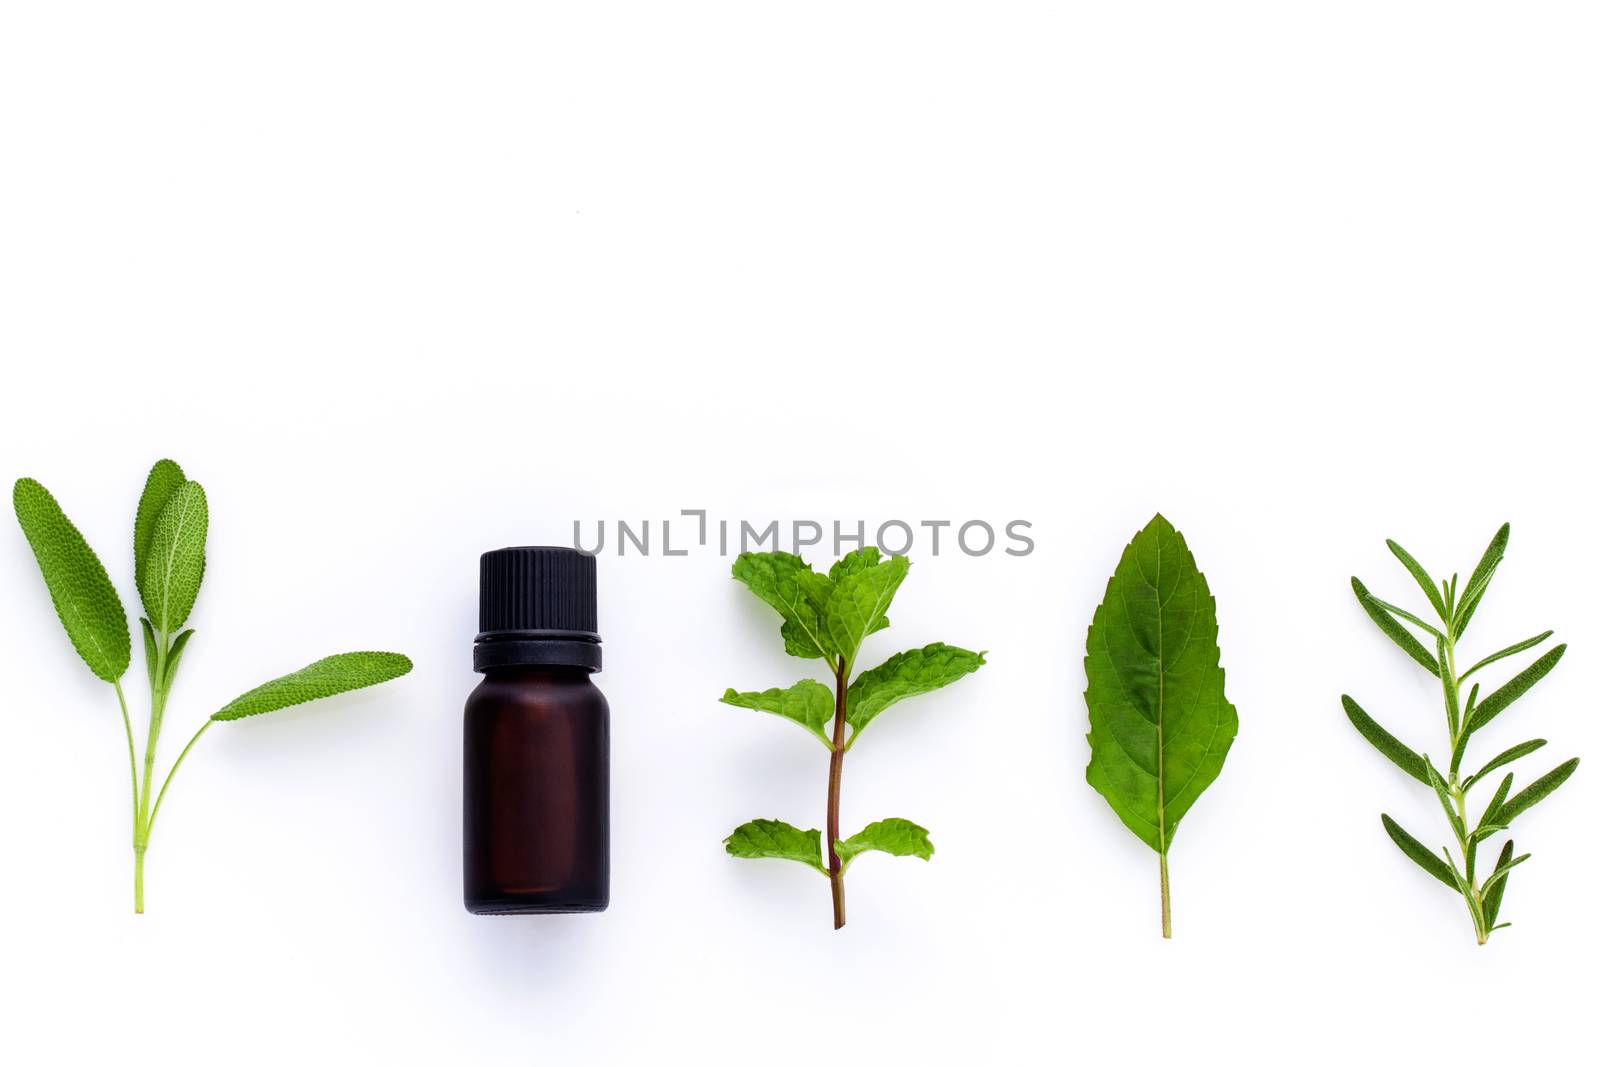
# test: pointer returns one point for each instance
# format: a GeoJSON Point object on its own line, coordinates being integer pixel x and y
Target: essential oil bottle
{"type": "Point", "coordinates": [536, 834]}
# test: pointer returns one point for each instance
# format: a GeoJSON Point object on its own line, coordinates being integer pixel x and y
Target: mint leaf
{"type": "Point", "coordinates": [906, 674]}
{"type": "Point", "coordinates": [806, 702]}
{"type": "Point", "coordinates": [164, 479]}
{"type": "Point", "coordinates": [789, 585]}
{"type": "Point", "coordinates": [776, 840]}
{"type": "Point", "coordinates": [176, 559]}
{"type": "Point", "coordinates": [80, 589]}
{"type": "Point", "coordinates": [324, 678]}
{"type": "Point", "coordinates": [859, 604]}
{"type": "Point", "coordinates": [897, 837]}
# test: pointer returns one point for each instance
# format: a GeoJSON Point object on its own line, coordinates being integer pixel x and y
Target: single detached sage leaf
{"type": "Point", "coordinates": [80, 589]}
{"type": "Point", "coordinates": [789, 585]}
{"type": "Point", "coordinates": [1419, 853]}
{"type": "Point", "coordinates": [164, 479]}
{"type": "Point", "coordinates": [897, 837]}
{"type": "Point", "coordinates": [1385, 742]}
{"type": "Point", "coordinates": [324, 678]}
{"type": "Point", "coordinates": [906, 674]}
{"type": "Point", "coordinates": [807, 702]}
{"type": "Point", "coordinates": [1159, 723]}
{"type": "Point", "coordinates": [859, 604]}
{"type": "Point", "coordinates": [176, 560]}
{"type": "Point", "coordinates": [1537, 791]}
{"type": "Point", "coordinates": [776, 840]}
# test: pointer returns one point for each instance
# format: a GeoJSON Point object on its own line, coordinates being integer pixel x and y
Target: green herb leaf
{"type": "Point", "coordinates": [324, 678]}
{"type": "Point", "coordinates": [176, 559]}
{"type": "Point", "coordinates": [175, 654]}
{"type": "Point", "coordinates": [1515, 752]}
{"type": "Point", "coordinates": [1502, 698]}
{"type": "Point", "coordinates": [776, 840]}
{"type": "Point", "coordinates": [1385, 742]}
{"type": "Point", "coordinates": [789, 585]}
{"type": "Point", "coordinates": [1541, 788]}
{"type": "Point", "coordinates": [906, 674]}
{"type": "Point", "coordinates": [1419, 853]}
{"type": "Point", "coordinates": [164, 479]}
{"type": "Point", "coordinates": [897, 837]}
{"type": "Point", "coordinates": [1391, 626]}
{"type": "Point", "coordinates": [1492, 812]}
{"type": "Point", "coordinates": [1497, 885]}
{"type": "Point", "coordinates": [859, 604]}
{"type": "Point", "coordinates": [1422, 577]}
{"type": "Point", "coordinates": [1159, 723]}
{"type": "Point", "coordinates": [1510, 650]}
{"type": "Point", "coordinates": [149, 651]}
{"type": "Point", "coordinates": [1481, 574]}
{"type": "Point", "coordinates": [807, 702]}
{"type": "Point", "coordinates": [80, 589]}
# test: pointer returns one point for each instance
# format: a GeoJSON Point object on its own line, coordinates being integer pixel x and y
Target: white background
{"type": "Point", "coordinates": [401, 282]}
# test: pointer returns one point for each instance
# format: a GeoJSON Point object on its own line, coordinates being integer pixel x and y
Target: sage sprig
{"type": "Point", "coordinates": [1433, 645]}
{"type": "Point", "coordinates": [827, 617]}
{"type": "Point", "coordinates": [169, 557]}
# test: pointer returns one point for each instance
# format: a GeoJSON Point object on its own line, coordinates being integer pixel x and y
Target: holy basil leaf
{"type": "Point", "coordinates": [1159, 723]}
{"type": "Point", "coordinates": [777, 840]}
{"type": "Point", "coordinates": [176, 559]}
{"type": "Point", "coordinates": [80, 589]}
{"type": "Point", "coordinates": [789, 585]}
{"type": "Point", "coordinates": [807, 702]}
{"type": "Point", "coordinates": [906, 674]}
{"type": "Point", "coordinates": [324, 678]}
{"type": "Point", "coordinates": [897, 837]}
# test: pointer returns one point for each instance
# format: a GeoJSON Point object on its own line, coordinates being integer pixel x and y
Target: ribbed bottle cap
{"type": "Point", "coordinates": [536, 605]}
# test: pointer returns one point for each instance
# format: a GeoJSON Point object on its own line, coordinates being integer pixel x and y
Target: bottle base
{"type": "Point", "coordinates": [504, 906]}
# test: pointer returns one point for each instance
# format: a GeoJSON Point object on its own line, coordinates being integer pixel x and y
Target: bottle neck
{"type": "Point", "coordinates": [532, 649]}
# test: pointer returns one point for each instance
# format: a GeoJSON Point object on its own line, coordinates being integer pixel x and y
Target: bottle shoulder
{"type": "Point", "coordinates": [524, 687]}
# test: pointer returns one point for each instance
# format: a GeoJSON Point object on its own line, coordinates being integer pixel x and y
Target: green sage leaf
{"type": "Point", "coordinates": [789, 585]}
{"type": "Point", "coordinates": [176, 559]}
{"type": "Point", "coordinates": [149, 651]}
{"type": "Point", "coordinates": [897, 837]}
{"type": "Point", "coordinates": [1537, 791]}
{"type": "Point", "coordinates": [324, 678]}
{"type": "Point", "coordinates": [164, 479]}
{"type": "Point", "coordinates": [1502, 698]}
{"type": "Point", "coordinates": [1419, 853]}
{"type": "Point", "coordinates": [1385, 742]}
{"type": "Point", "coordinates": [80, 589]}
{"type": "Point", "coordinates": [776, 840]}
{"type": "Point", "coordinates": [807, 702]}
{"type": "Point", "coordinates": [175, 654]}
{"type": "Point", "coordinates": [1159, 723]}
{"type": "Point", "coordinates": [1391, 626]}
{"type": "Point", "coordinates": [906, 674]}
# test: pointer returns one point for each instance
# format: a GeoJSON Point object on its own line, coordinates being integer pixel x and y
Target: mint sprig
{"type": "Point", "coordinates": [169, 545]}
{"type": "Point", "coordinates": [1454, 606]}
{"type": "Point", "coordinates": [829, 617]}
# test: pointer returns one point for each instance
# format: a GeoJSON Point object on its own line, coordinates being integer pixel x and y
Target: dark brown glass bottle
{"type": "Point", "coordinates": [536, 773]}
